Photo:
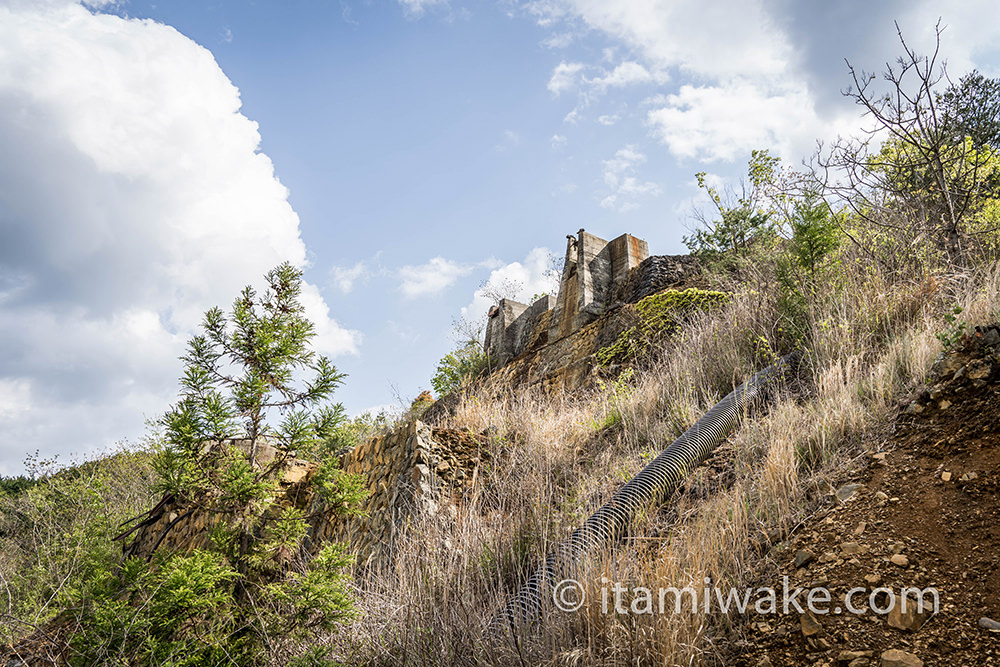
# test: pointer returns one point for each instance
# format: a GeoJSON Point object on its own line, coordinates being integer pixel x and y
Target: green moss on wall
{"type": "Point", "coordinates": [658, 314]}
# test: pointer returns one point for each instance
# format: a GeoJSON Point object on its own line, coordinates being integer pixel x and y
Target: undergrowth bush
{"type": "Point", "coordinates": [56, 533]}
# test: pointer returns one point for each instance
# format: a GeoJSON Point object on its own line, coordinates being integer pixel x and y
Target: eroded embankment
{"type": "Point", "coordinates": [924, 513]}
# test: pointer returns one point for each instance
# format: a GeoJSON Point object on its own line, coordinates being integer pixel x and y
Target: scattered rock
{"type": "Point", "coordinates": [850, 656]}
{"type": "Point", "coordinates": [913, 408]}
{"type": "Point", "coordinates": [908, 614]}
{"type": "Point", "coordinates": [764, 662]}
{"type": "Point", "coordinates": [896, 658]}
{"type": "Point", "coordinates": [946, 476]}
{"type": "Point", "coordinates": [900, 560]}
{"type": "Point", "coordinates": [803, 557]}
{"type": "Point", "coordinates": [946, 365]}
{"type": "Point", "coordinates": [968, 477]}
{"type": "Point", "coordinates": [989, 624]}
{"type": "Point", "coordinates": [882, 496]}
{"type": "Point", "coordinates": [847, 491]}
{"type": "Point", "coordinates": [977, 370]}
{"type": "Point", "coordinates": [810, 626]}
{"type": "Point", "coordinates": [859, 531]}
{"type": "Point", "coordinates": [850, 548]}
{"type": "Point", "coordinates": [944, 404]}
{"type": "Point", "coordinates": [847, 656]}
{"type": "Point", "coordinates": [873, 579]}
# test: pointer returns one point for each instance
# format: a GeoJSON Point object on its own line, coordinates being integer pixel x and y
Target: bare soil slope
{"type": "Point", "coordinates": [924, 512]}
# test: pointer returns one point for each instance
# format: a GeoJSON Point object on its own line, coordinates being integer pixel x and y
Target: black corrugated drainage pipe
{"type": "Point", "coordinates": [651, 486]}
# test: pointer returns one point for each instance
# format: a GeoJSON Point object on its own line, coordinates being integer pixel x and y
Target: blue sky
{"type": "Point", "coordinates": [155, 157]}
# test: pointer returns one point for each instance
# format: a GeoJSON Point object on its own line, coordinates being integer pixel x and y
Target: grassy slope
{"type": "Point", "coordinates": [869, 339]}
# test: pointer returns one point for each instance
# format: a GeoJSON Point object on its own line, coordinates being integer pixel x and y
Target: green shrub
{"type": "Point", "coordinates": [460, 367]}
{"type": "Point", "coordinates": [256, 583]}
{"type": "Point", "coordinates": [178, 611]}
{"type": "Point", "coordinates": [57, 535]}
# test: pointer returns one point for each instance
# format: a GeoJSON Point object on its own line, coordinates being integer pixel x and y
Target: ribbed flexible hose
{"type": "Point", "coordinates": [651, 486]}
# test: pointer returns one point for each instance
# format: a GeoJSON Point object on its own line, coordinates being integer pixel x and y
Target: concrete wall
{"type": "Point", "coordinates": [499, 335]}
{"type": "Point", "coordinates": [627, 252]}
{"type": "Point", "coordinates": [561, 321]}
{"type": "Point", "coordinates": [593, 275]}
{"type": "Point", "coordinates": [527, 326]}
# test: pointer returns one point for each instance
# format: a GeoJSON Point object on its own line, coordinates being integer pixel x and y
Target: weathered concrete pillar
{"type": "Point", "coordinates": [500, 334]}
{"type": "Point", "coordinates": [627, 252]}
{"type": "Point", "coordinates": [523, 330]}
{"type": "Point", "coordinates": [594, 277]}
{"type": "Point", "coordinates": [593, 270]}
{"type": "Point", "coordinates": [566, 302]}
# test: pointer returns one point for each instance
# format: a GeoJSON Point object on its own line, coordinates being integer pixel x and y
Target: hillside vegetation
{"type": "Point", "coordinates": [870, 263]}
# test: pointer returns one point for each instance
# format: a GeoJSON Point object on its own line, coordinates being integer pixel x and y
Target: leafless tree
{"type": "Point", "coordinates": [906, 173]}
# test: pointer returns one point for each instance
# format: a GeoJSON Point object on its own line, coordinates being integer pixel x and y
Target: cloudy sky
{"type": "Point", "coordinates": [155, 157]}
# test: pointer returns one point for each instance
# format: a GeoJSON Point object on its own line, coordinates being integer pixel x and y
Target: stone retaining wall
{"type": "Point", "coordinates": [405, 471]}
{"type": "Point", "coordinates": [657, 273]}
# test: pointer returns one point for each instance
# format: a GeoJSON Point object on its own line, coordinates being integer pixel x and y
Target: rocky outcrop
{"type": "Point", "coordinates": [569, 362]}
{"type": "Point", "coordinates": [405, 472]}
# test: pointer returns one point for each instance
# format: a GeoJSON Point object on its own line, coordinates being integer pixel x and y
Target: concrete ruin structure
{"type": "Point", "coordinates": [592, 276]}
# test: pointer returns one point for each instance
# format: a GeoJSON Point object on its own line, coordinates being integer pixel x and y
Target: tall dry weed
{"type": "Point", "coordinates": [558, 457]}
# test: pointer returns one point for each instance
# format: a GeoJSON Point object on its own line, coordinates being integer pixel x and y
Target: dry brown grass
{"type": "Point", "coordinates": [557, 458]}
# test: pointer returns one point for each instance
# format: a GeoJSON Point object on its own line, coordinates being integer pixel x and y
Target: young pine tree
{"type": "Point", "coordinates": [252, 385]}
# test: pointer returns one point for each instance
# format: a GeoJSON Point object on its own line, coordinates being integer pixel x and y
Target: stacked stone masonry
{"type": "Point", "coordinates": [406, 472]}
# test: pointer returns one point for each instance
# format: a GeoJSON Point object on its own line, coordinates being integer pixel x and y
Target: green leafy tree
{"type": "Point", "coordinates": [240, 372]}
{"type": "Point", "coordinates": [460, 367]}
{"type": "Point", "coordinates": [922, 171]}
{"type": "Point", "coordinates": [971, 108]}
{"type": "Point", "coordinates": [741, 220]}
{"type": "Point", "coordinates": [805, 271]}
{"type": "Point", "coordinates": [815, 235]}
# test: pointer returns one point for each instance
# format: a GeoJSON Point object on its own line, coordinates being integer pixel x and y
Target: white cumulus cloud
{"type": "Point", "coordinates": [626, 74]}
{"type": "Point", "coordinates": [533, 275]}
{"type": "Point", "coordinates": [344, 277]}
{"type": "Point", "coordinates": [133, 197]}
{"type": "Point", "coordinates": [728, 121]}
{"type": "Point", "coordinates": [564, 77]}
{"type": "Point", "coordinates": [435, 276]}
{"type": "Point", "coordinates": [417, 8]}
{"type": "Point", "coordinates": [624, 185]}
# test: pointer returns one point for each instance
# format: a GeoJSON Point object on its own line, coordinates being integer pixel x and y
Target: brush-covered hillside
{"type": "Point", "coordinates": [260, 526]}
